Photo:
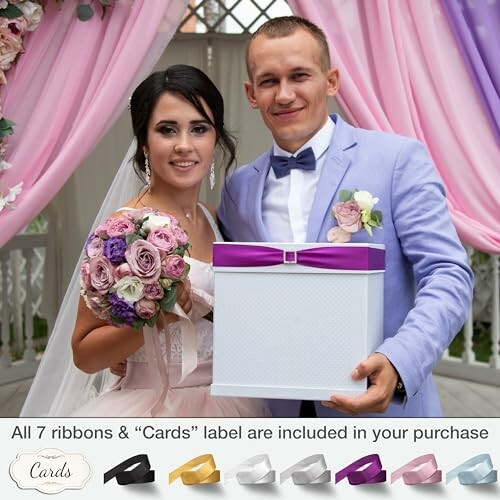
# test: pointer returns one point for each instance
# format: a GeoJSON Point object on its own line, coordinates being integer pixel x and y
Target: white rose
{"type": "Point", "coordinates": [365, 200]}
{"type": "Point", "coordinates": [129, 288]}
{"type": "Point", "coordinates": [155, 221]}
{"type": "Point", "coordinates": [33, 14]}
{"type": "Point", "coordinates": [4, 4]}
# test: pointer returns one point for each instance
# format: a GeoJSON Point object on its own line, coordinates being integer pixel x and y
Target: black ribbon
{"type": "Point", "coordinates": [140, 474]}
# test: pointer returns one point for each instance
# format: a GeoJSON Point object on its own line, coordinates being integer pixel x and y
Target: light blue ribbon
{"type": "Point", "coordinates": [476, 470]}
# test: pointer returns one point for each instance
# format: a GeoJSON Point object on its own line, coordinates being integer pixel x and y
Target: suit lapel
{"type": "Point", "coordinates": [336, 164]}
{"type": "Point", "coordinates": [255, 194]}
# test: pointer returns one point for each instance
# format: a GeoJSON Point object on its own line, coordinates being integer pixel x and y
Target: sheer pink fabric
{"type": "Point", "coordinates": [68, 87]}
{"type": "Point", "coordinates": [400, 71]}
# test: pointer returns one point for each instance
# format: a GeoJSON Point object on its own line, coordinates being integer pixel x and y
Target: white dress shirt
{"type": "Point", "coordinates": [287, 201]}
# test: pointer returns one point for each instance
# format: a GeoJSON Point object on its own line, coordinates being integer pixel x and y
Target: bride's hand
{"type": "Point", "coordinates": [184, 299]}
{"type": "Point", "coordinates": [119, 369]}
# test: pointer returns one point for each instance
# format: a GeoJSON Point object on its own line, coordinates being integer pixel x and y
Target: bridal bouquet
{"type": "Point", "coordinates": [131, 266]}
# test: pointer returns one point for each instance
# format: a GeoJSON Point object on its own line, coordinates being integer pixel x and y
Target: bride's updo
{"type": "Point", "coordinates": [192, 84]}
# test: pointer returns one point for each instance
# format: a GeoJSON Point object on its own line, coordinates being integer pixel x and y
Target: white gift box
{"type": "Point", "coordinates": [292, 320]}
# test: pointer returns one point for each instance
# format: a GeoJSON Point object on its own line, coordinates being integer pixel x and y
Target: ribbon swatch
{"type": "Point", "coordinates": [140, 474]}
{"type": "Point", "coordinates": [205, 473]}
{"type": "Point", "coordinates": [310, 470]}
{"type": "Point", "coordinates": [255, 470]}
{"type": "Point", "coordinates": [373, 473]}
{"type": "Point", "coordinates": [420, 470]}
{"type": "Point", "coordinates": [476, 470]}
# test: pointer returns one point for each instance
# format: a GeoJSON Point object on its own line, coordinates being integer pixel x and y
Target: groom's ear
{"type": "Point", "coordinates": [249, 90]}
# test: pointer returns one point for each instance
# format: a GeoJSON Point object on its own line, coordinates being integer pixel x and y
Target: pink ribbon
{"type": "Point", "coordinates": [373, 473]}
{"type": "Point", "coordinates": [349, 257]}
{"type": "Point", "coordinates": [421, 470]}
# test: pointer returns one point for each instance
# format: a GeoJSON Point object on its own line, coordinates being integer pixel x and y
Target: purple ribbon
{"type": "Point", "coordinates": [371, 474]}
{"type": "Point", "coordinates": [352, 258]}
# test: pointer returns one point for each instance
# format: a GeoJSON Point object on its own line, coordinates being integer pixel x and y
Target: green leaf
{"type": "Point", "coordinates": [186, 271]}
{"type": "Point", "coordinates": [84, 12]}
{"type": "Point", "coordinates": [169, 299]}
{"type": "Point", "coordinates": [116, 319]}
{"type": "Point", "coordinates": [6, 127]}
{"type": "Point", "coordinates": [377, 215]}
{"type": "Point", "coordinates": [11, 12]}
{"type": "Point", "coordinates": [130, 238]}
{"type": "Point", "coordinates": [152, 321]}
{"type": "Point", "coordinates": [345, 195]}
{"type": "Point", "coordinates": [138, 324]}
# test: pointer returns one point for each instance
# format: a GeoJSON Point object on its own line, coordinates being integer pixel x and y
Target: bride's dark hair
{"type": "Point", "coordinates": [192, 84]}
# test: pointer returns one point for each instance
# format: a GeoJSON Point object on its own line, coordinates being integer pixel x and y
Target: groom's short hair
{"type": "Point", "coordinates": [279, 27]}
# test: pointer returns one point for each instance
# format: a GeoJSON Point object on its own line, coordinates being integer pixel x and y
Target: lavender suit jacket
{"type": "Point", "coordinates": [428, 284]}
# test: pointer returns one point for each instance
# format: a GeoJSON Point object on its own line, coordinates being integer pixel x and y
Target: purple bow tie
{"type": "Point", "coordinates": [283, 164]}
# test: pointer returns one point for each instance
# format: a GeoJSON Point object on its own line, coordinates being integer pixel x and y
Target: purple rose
{"type": "Point", "coordinates": [119, 227]}
{"type": "Point", "coordinates": [180, 235]}
{"type": "Point", "coordinates": [101, 274]}
{"type": "Point", "coordinates": [94, 248]}
{"type": "Point", "coordinates": [114, 250]}
{"type": "Point", "coordinates": [153, 291]}
{"type": "Point", "coordinates": [162, 239]}
{"type": "Point", "coordinates": [146, 309]}
{"type": "Point", "coordinates": [348, 215]}
{"type": "Point", "coordinates": [144, 260]}
{"type": "Point", "coordinates": [89, 239]}
{"type": "Point", "coordinates": [173, 267]}
{"type": "Point", "coordinates": [122, 309]}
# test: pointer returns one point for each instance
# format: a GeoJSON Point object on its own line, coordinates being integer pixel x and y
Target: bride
{"type": "Point", "coordinates": [177, 119]}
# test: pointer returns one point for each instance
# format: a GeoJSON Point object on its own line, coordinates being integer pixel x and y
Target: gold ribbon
{"type": "Point", "coordinates": [204, 474]}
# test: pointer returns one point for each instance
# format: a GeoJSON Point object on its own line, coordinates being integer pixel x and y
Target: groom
{"type": "Point", "coordinates": [428, 284]}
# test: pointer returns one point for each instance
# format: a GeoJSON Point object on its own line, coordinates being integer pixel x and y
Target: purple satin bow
{"type": "Point", "coordinates": [350, 257]}
{"type": "Point", "coordinates": [282, 165]}
{"type": "Point", "coordinates": [369, 475]}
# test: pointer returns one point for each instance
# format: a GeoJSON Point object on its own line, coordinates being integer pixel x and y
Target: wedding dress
{"type": "Point", "coordinates": [135, 394]}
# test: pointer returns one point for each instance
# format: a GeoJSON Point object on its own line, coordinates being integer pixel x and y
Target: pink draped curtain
{"type": "Point", "coordinates": [69, 86]}
{"type": "Point", "coordinates": [400, 71]}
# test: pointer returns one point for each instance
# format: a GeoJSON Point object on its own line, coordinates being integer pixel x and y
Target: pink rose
{"type": "Point", "coordinates": [10, 45]}
{"type": "Point", "coordinates": [97, 304]}
{"type": "Point", "coordinates": [95, 248]}
{"type": "Point", "coordinates": [173, 267]}
{"type": "Point", "coordinates": [146, 309]}
{"type": "Point", "coordinates": [338, 235]}
{"type": "Point", "coordinates": [101, 230]}
{"type": "Point", "coordinates": [153, 291]}
{"type": "Point", "coordinates": [144, 260]}
{"type": "Point", "coordinates": [162, 239]}
{"type": "Point", "coordinates": [119, 227]}
{"type": "Point", "coordinates": [85, 276]}
{"type": "Point", "coordinates": [180, 235]}
{"type": "Point", "coordinates": [101, 274]}
{"type": "Point", "coordinates": [18, 25]}
{"type": "Point", "coordinates": [123, 270]}
{"type": "Point", "coordinates": [348, 216]}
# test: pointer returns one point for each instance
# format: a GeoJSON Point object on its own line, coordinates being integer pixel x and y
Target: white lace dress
{"type": "Point", "coordinates": [135, 394]}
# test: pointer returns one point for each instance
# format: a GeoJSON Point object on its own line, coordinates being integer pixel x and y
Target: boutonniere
{"type": "Point", "coordinates": [352, 213]}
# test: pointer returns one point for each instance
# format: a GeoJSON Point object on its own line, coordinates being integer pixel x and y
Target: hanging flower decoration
{"type": "Point", "coordinates": [17, 19]}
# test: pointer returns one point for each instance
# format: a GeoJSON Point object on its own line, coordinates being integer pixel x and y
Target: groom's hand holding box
{"type": "Point", "coordinates": [293, 320]}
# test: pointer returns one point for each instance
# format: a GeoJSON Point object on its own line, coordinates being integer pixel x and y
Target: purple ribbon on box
{"type": "Point", "coordinates": [371, 474]}
{"type": "Point", "coordinates": [352, 258]}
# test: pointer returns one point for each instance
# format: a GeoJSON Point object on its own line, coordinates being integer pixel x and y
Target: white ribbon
{"type": "Point", "coordinates": [255, 470]}
{"type": "Point", "coordinates": [310, 470]}
{"type": "Point", "coordinates": [476, 470]}
{"type": "Point", "coordinates": [159, 366]}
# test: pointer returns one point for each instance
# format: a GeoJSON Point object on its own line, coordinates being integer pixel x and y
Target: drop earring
{"type": "Point", "coordinates": [148, 171]}
{"type": "Point", "coordinates": [211, 177]}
